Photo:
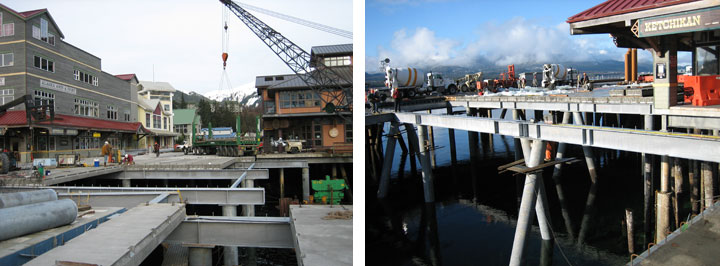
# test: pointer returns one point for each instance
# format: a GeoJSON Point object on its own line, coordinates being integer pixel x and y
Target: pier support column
{"type": "Point", "coordinates": [451, 135]}
{"type": "Point", "coordinates": [474, 149]}
{"type": "Point", "coordinates": [518, 155]}
{"type": "Point", "coordinates": [306, 183]}
{"type": "Point", "coordinates": [230, 254]}
{"type": "Point", "coordinates": [647, 186]}
{"type": "Point", "coordinates": [282, 182]}
{"type": "Point", "coordinates": [590, 202]}
{"type": "Point", "coordinates": [200, 255]}
{"type": "Point", "coordinates": [529, 198]}
{"type": "Point", "coordinates": [557, 173]}
{"type": "Point", "coordinates": [249, 211]}
{"type": "Point", "coordinates": [387, 163]}
{"type": "Point", "coordinates": [126, 182]}
{"type": "Point", "coordinates": [431, 144]}
{"type": "Point", "coordinates": [665, 88]}
{"type": "Point", "coordinates": [418, 141]}
{"type": "Point", "coordinates": [662, 219]}
{"type": "Point", "coordinates": [708, 183]}
{"type": "Point", "coordinates": [349, 190]}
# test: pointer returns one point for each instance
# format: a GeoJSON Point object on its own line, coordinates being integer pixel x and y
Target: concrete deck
{"type": "Point", "coordinates": [319, 241]}
{"type": "Point", "coordinates": [697, 245]}
{"type": "Point", "coordinates": [177, 160]}
{"type": "Point", "coordinates": [310, 157]}
{"type": "Point", "coordinates": [20, 250]}
{"type": "Point", "coordinates": [125, 240]}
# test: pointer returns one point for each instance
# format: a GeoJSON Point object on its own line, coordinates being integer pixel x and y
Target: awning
{"type": "Point", "coordinates": [163, 133]}
{"type": "Point", "coordinates": [18, 119]}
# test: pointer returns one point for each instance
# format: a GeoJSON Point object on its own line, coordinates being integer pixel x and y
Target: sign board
{"type": "Point", "coordinates": [96, 134]}
{"type": "Point", "coordinates": [660, 72]}
{"type": "Point", "coordinates": [57, 131]}
{"type": "Point", "coordinates": [71, 132]}
{"type": "Point", "coordinates": [63, 132]}
{"type": "Point", "coordinates": [698, 20]}
{"type": "Point", "coordinates": [57, 87]}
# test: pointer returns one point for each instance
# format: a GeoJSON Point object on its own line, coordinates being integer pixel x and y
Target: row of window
{"type": "Point", "coordinates": [85, 77]}
{"type": "Point", "coordinates": [44, 64]}
{"type": "Point", "coordinates": [302, 98]}
{"type": "Point", "coordinates": [6, 96]}
{"type": "Point", "coordinates": [42, 33]}
{"type": "Point", "coordinates": [112, 112]}
{"type": "Point", "coordinates": [337, 61]}
{"type": "Point", "coordinates": [87, 108]}
{"type": "Point", "coordinates": [156, 121]}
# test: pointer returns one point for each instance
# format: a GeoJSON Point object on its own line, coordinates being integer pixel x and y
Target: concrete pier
{"type": "Point", "coordinates": [529, 198]}
{"type": "Point", "coordinates": [230, 254]}
{"type": "Point", "coordinates": [320, 240]}
{"type": "Point", "coordinates": [306, 183]}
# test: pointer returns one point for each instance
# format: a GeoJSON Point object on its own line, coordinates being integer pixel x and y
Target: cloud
{"type": "Point", "coordinates": [515, 41]}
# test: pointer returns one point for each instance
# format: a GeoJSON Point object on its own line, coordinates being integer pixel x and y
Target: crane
{"type": "Point", "coordinates": [317, 26]}
{"type": "Point", "coordinates": [324, 81]}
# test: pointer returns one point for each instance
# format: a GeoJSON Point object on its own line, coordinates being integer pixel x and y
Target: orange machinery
{"type": "Point", "coordinates": [702, 90]}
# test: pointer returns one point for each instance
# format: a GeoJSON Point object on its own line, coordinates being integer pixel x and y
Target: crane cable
{"type": "Point", "coordinates": [317, 26]}
{"type": "Point", "coordinates": [224, 78]}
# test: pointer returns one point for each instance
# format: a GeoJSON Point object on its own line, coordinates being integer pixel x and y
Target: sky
{"type": "Point", "coordinates": [427, 33]}
{"type": "Point", "coordinates": [183, 39]}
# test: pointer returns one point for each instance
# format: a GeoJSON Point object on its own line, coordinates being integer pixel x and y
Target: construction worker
{"type": "Point", "coordinates": [396, 98]}
{"type": "Point", "coordinates": [157, 149]}
{"type": "Point", "coordinates": [373, 98]}
{"type": "Point", "coordinates": [535, 81]}
{"type": "Point", "coordinates": [106, 151]}
{"type": "Point", "coordinates": [128, 160]}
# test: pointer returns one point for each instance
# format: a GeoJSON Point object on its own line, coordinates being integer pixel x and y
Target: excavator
{"type": "Point", "coordinates": [323, 80]}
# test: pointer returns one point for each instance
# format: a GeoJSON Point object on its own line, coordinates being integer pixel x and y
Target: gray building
{"type": "Point", "coordinates": [91, 106]}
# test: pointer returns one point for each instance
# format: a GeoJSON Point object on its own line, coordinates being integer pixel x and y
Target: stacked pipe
{"type": "Point", "coordinates": [24, 213]}
{"type": "Point", "coordinates": [627, 65]}
{"type": "Point", "coordinates": [633, 65]}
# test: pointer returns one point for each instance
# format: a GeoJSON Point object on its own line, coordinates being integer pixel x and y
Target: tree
{"type": "Point", "coordinates": [182, 104]}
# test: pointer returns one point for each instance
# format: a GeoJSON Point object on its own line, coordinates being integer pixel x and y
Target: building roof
{"type": "Point", "coordinates": [126, 76]}
{"type": "Point", "coordinates": [617, 7]}
{"type": "Point", "coordinates": [332, 49]}
{"type": "Point", "coordinates": [26, 15]}
{"type": "Point", "coordinates": [345, 73]}
{"type": "Point", "coordinates": [19, 118]}
{"type": "Point", "coordinates": [184, 116]}
{"type": "Point", "coordinates": [151, 104]}
{"type": "Point", "coordinates": [157, 86]}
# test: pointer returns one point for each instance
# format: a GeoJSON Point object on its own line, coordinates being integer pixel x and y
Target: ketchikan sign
{"type": "Point", "coordinates": [704, 19]}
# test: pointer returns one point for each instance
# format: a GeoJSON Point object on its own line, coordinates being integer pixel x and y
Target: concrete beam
{"type": "Point", "coordinates": [192, 174]}
{"type": "Point", "coordinates": [261, 232]}
{"type": "Point", "coordinates": [272, 164]}
{"type": "Point", "coordinates": [653, 142]}
{"type": "Point", "coordinates": [135, 234]}
{"type": "Point", "coordinates": [62, 175]}
{"type": "Point", "coordinates": [617, 108]}
{"type": "Point", "coordinates": [694, 122]}
{"type": "Point", "coordinates": [122, 196]}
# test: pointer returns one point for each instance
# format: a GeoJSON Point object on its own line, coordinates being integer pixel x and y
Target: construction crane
{"type": "Point", "coordinates": [323, 80]}
{"type": "Point", "coordinates": [317, 26]}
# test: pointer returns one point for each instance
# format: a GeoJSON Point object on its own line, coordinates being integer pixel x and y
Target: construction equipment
{"type": "Point", "coordinates": [556, 75]}
{"type": "Point", "coordinates": [469, 82]}
{"type": "Point", "coordinates": [237, 144]}
{"type": "Point", "coordinates": [323, 80]}
{"type": "Point", "coordinates": [505, 80]}
{"type": "Point", "coordinates": [411, 82]}
{"type": "Point", "coordinates": [702, 90]}
{"type": "Point", "coordinates": [328, 190]}
{"type": "Point", "coordinates": [35, 109]}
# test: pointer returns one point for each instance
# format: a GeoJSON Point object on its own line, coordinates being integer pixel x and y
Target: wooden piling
{"type": "Point", "coordinates": [431, 143]}
{"type": "Point", "coordinates": [557, 172]}
{"type": "Point", "coordinates": [451, 135]}
{"type": "Point", "coordinates": [387, 163]}
{"type": "Point", "coordinates": [694, 181]}
{"type": "Point", "coordinates": [403, 156]}
{"type": "Point", "coordinates": [647, 186]}
{"type": "Point", "coordinates": [590, 202]}
{"type": "Point", "coordinates": [629, 223]}
{"type": "Point", "coordinates": [708, 183]}
{"type": "Point", "coordinates": [662, 227]}
{"type": "Point", "coordinates": [428, 179]}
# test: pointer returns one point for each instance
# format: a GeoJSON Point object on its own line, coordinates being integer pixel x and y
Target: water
{"type": "Point", "coordinates": [473, 219]}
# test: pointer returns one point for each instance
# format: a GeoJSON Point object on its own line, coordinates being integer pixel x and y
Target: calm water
{"type": "Point", "coordinates": [473, 219]}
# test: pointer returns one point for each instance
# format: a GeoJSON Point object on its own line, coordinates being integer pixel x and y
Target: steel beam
{"type": "Point", "coordinates": [653, 142]}
{"type": "Point", "coordinates": [191, 174]}
{"type": "Point", "coordinates": [128, 197]}
{"type": "Point", "coordinates": [616, 108]}
{"type": "Point", "coordinates": [272, 164]}
{"type": "Point", "coordinates": [261, 232]}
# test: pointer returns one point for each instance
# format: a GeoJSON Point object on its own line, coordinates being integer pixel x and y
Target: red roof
{"type": "Point", "coordinates": [25, 14]}
{"type": "Point", "coordinates": [18, 118]}
{"type": "Point", "coordinates": [616, 7]}
{"type": "Point", "coordinates": [125, 76]}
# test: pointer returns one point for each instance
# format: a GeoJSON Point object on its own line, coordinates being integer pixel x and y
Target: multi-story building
{"type": "Point", "coordinates": [156, 114]}
{"type": "Point", "coordinates": [292, 110]}
{"type": "Point", "coordinates": [183, 120]}
{"type": "Point", "coordinates": [90, 105]}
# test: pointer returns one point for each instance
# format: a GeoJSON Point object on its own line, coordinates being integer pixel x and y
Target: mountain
{"type": "Point", "coordinates": [245, 94]}
{"type": "Point", "coordinates": [190, 97]}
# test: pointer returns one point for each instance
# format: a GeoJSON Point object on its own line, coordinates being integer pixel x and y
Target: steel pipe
{"type": "Point", "coordinates": [8, 200]}
{"type": "Point", "coordinates": [21, 220]}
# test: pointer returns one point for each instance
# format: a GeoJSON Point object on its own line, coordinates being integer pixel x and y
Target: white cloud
{"type": "Point", "coordinates": [515, 41]}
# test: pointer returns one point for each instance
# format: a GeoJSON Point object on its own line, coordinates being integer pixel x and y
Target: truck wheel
{"type": "Point", "coordinates": [294, 150]}
{"type": "Point", "coordinates": [453, 89]}
{"type": "Point", "coordinates": [383, 97]}
{"type": "Point", "coordinates": [4, 163]}
{"type": "Point", "coordinates": [411, 93]}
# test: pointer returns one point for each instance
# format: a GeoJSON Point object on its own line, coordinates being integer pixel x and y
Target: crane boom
{"type": "Point", "coordinates": [317, 26]}
{"type": "Point", "coordinates": [324, 81]}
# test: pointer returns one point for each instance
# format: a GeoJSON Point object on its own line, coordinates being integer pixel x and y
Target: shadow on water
{"type": "Point", "coordinates": [473, 219]}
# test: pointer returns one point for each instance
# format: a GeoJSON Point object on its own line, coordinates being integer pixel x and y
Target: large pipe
{"type": "Point", "coordinates": [633, 64]}
{"type": "Point", "coordinates": [21, 220]}
{"type": "Point", "coordinates": [627, 65]}
{"type": "Point", "coordinates": [8, 200]}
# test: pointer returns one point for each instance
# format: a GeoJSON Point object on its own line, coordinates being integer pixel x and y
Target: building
{"type": "Point", "coordinates": [183, 120]}
{"type": "Point", "coordinates": [291, 110]}
{"type": "Point", "coordinates": [90, 105]}
{"type": "Point", "coordinates": [664, 28]}
{"type": "Point", "coordinates": [156, 114]}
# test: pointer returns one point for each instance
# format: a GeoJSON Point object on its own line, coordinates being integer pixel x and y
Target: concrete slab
{"type": "Point", "coordinates": [192, 174]}
{"type": "Point", "coordinates": [125, 240]}
{"type": "Point", "coordinates": [20, 250]}
{"type": "Point", "coordinates": [318, 240]}
{"type": "Point", "coordinates": [177, 160]}
{"type": "Point", "coordinates": [310, 157]}
{"type": "Point", "coordinates": [696, 245]}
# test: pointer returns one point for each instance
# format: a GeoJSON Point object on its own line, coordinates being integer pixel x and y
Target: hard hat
{"type": "Point", "coordinates": [107, 142]}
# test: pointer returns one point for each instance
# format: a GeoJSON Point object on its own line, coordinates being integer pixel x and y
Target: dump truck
{"type": "Point", "coordinates": [411, 81]}
{"type": "Point", "coordinates": [237, 144]}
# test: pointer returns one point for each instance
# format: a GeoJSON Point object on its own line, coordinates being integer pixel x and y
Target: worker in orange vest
{"type": "Point", "coordinates": [106, 151]}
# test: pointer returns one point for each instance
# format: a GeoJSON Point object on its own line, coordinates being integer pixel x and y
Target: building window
{"type": "Point", "coordinates": [6, 96]}
{"type": "Point", "coordinates": [166, 107]}
{"type": "Point", "coordinates": [348, 133]}
{"type": "Point", "coordinates": [2, 81]}
{"type": "Point", "coordinates": [85, 77]}
{"type": "Point", "coordinates": [337, 61]}
{"type": "Point", "coordinates": [156, 121]}
{"type": "Point", "coordinates": [44, 64]}
{"type": "Point", "coordinates": [7, 29]}
{"type": "Point", "coordinates": [86, 108]}
{"type": "Point", "coordinates": [7, 60]}
{"type": "Point", "coordinates": [164, 122]}
{"type": "Point", "coordinates": [302, 98]}
{"type": "Point", "coordinates": [317, 141]}
{"type": "Point", "coordinates": [147, 120]}
{"type": "Point", "coordinates": [43, 97]}
{"type": "Point", "coordinates": [268, 79]}
{"type": "Point", "coordinates": [42, 34]}
{"type": "Point", "coordinates": [127, 116]}
{"type": "Point", "coordinates": [112, 112]}
{"type": "Point", "coordinates": [269, 107]}
{"type": "Point", "coordinates": [707, 60]}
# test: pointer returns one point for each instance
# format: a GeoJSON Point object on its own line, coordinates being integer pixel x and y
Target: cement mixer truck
{"type": "Point", "coordinates": [411, 81]}
{"type": "Point", "coordinates": [557, 75]}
